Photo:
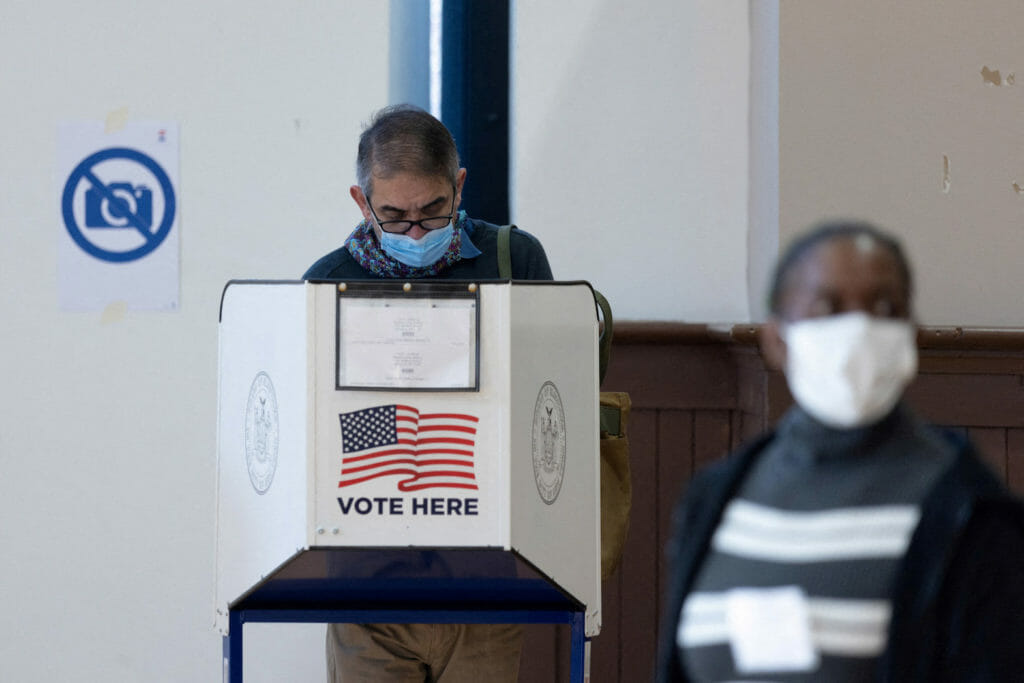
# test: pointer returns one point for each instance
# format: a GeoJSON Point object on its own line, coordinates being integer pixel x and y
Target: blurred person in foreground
{"type": "Point", "coordinates": [853, 542]}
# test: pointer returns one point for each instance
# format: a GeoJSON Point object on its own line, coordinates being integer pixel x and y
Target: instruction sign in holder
{"type": "Point", "coordinates": [415, 494]}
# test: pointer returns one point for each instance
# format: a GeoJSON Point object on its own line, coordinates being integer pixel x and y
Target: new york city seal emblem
{"type": "Point", "coordinates": [261, 433]}
{"type": "Point", "coordinates": [548, 442]}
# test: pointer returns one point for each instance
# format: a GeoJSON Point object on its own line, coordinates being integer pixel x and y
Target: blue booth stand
{"type": "Point", "coordinates": [505, 589]}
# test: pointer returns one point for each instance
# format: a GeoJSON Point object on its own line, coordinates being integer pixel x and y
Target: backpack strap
{"type": "Point", "coordinates": [604, 342]}
{"type": "Point", "coordinates": [505, 252]}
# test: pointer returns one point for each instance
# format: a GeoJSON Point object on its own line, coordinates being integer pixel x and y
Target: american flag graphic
{"type": "Point", "coordinates": [427, 450]}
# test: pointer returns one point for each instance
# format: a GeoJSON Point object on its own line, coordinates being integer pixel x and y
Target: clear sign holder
{"type": "Point", "coordinates": [424, 336]}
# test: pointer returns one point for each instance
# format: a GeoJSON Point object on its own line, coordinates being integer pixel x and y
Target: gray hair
{"type": "Point", "coordinates": [405, 139]}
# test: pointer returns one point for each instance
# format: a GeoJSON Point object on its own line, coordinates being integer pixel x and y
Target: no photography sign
{"type": "Point", "coordinates": [119, 216]}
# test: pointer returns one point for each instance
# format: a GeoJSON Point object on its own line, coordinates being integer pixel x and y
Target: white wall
{"type": "Point", "coordinates": [630, 150]}
{"type": "Point", "coordinates": [634, 161]}
{"type": "Point", "coordinates": [107, 421]}
{"type": "Point", "coordinates": [763, 231]}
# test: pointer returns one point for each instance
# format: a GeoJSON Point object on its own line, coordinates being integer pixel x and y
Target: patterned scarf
{"type": "Point", "coordinates": [365, 249]}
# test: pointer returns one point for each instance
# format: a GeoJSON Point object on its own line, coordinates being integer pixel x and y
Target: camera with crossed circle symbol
{"type": "Point", "coordinates": [100, 212]}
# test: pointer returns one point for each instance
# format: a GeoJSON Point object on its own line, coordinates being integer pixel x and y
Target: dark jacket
{"type": "Point", "coordinates": [529, 261]}
{"type": "Point", "coordinates": [958, 599]}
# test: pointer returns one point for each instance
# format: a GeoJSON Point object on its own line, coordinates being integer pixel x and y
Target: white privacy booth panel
{"type": "Point", "coordinates": [555, 472]}
{"type": "Point", "coordinates": [402, 444]}
{"type": "Point", "coordinates": [263, 457]}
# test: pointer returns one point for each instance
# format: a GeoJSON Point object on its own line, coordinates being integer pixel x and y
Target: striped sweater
{"type": "Point", "coordinates": [821, 522]}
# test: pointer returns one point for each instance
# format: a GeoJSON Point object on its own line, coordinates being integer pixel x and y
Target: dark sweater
{"type": "Point", "coordinates": [528, 259]}
{"type": "Point", "coordinates": [958, 596]}
{"type": "Point", "coordinates": [830, 511]}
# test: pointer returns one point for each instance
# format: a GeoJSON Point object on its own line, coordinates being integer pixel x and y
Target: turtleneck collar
{"type": "Point", "coordinates": [809, 440]}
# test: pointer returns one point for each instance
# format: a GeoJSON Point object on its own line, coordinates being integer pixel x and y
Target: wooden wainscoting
{"type": "Point", "coordinates": [697, 392]}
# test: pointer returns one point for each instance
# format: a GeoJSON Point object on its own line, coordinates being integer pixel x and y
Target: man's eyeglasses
{"type": "Point", "coordinates": [402, 227]}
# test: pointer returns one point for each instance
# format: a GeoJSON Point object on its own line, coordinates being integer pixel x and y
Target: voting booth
{"type": "Point", "coordinates": [421, 451]}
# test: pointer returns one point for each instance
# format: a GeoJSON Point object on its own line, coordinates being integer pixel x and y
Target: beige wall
{"type": "Point", "coordinates": [873, 97]}
{"type": "Point", "coordinates": [630, 149]}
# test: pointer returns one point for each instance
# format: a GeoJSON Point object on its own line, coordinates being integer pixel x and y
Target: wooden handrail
{"type": "Point", "coordinates": [950, 338]}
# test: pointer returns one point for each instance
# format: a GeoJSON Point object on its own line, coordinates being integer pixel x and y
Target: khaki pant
{"type": "Point", "coordinates": [423, 653]}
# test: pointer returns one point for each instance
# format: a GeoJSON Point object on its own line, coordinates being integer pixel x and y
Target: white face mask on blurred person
{"type": "Point", "coordinates": [849, 370]}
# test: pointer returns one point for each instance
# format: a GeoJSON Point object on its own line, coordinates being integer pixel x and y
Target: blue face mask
{"type": "Point", "coordinates": [420, 253]}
